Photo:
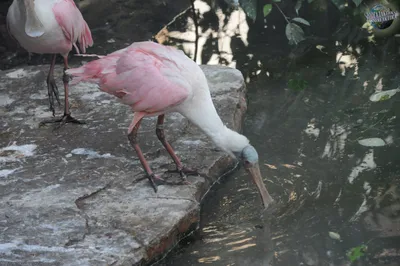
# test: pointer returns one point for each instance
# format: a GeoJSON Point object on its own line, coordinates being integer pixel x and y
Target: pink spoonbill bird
{"type": "Point", "coordinates": [154, 80]}
{"type": "Point", "coordinates": [50, 27]}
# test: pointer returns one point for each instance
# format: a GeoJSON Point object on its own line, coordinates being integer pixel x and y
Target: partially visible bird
{"type": "Point", "coordinates": [50, 27]}
{"type": "Point", "coordinates": [154, 80]}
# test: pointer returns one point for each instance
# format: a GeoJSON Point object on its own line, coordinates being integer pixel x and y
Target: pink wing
{"type": "Point", "coordinates": [72, 24]}
{"type": "Point", "coordinates": [145, 76]}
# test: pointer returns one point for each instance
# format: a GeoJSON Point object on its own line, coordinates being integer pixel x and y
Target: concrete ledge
{"type": "Point", "coordinates": [78, 196]}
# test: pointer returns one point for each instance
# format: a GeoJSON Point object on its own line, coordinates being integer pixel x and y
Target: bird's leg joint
{"type": "Point", "coordinates": [133, 139]}
{"type": "Point", "coordinates": [160, 132]}
{"type": "Point", "coordinates": [66, 78]}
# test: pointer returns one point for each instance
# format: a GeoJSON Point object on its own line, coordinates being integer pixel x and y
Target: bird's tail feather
{"type": "Point", "coordinates": [85, 39]}
{"type": "Point", "coordinates": [88, 72]}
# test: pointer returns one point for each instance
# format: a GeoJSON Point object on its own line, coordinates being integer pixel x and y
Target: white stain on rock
{"type": "Point", "coordinates": [367, 164]}
{"type": "Point", "coordinates": [21, 73]}
{"type": "Point", "coordinates": [191, 142]}
{"type": "Point", "coordinates": [7, 172]}
{"type": "Point", "coordinates": [16, 245]}
{"type": "Point", "coordinates": [14, 152]}
{"type": "Point", "coordinates": [93, 95]}
{"type": "Point", "coordinates": [38, 96]}
{"type": "Point", "coordinates": [90, 153]}
{"type": "Point", "coordinates": [5, 100]}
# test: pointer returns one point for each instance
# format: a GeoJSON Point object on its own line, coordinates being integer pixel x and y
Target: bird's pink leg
{"type": "Point", "coordinates": [66, 118]}
{"type": "Point", "coordinates": [179, 166]}
{"type": "Point", "coordinates": [52, 86]}
{"type": "Point", "coordinates": [133, 140]}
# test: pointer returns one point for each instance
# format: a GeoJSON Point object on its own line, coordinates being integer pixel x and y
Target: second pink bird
{"type": "Point", "coordinates": [50, 27]}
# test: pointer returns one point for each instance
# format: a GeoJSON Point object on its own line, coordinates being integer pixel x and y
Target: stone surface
{"type": "Point", "coordinates": [78, 195]}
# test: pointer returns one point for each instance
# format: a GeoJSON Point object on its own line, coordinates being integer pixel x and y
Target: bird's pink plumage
{"type": "Point", "coordinates": [144, 76]}
{"type": "Point", "coordinates": [72, 24]}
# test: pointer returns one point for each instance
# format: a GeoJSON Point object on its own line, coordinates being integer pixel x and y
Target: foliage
{"type": "Point", "coordinates": [297, 84]}
{"type": "Point", "coordinates": [384, 98]}
{"type": "Point", "coordinates": [356, 252]}
{"type": "Point", "coordinates": [294, 32]}
{"type": "Point", "coordinates": [250, 7]}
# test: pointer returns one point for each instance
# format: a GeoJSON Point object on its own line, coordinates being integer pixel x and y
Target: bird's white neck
{"type": "Point", "coordinates": [202, 113]}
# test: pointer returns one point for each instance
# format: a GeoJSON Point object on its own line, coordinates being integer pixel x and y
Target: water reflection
{"type": "Point", "coordinates": [225, 26]}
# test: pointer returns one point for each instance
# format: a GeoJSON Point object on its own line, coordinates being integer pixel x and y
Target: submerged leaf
{"type": "Point", "coordinates": [298, 6]}
{"type": "Point", "coordinates": [356, 252]}
{"type": "Point", "coordinates": [320, 47]}
{"type": "Point", "coordinates": [302, 20]}
{"type": "Point", "coordinates": [267, 9]}
{"type": "Point", "coordinates": [372, 142]}
{"type": "Point", "coordinates": [334, 235]}
{"type": "Point", "coordinates": [383, 95]}
{"type": "Point", "coordinates": [250, 8]}
{"type": "Point", "coordinates": [297, 84]}
{"type": "Point", "coordinates": [294, 33]}
{"type": "Point", "coordinates": [271, 166]}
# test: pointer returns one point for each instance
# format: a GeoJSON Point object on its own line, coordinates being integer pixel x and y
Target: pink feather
{"type": "Point", "coordinates": [72, 24]}
{"type": "Point", "coordinates": [145, 76]}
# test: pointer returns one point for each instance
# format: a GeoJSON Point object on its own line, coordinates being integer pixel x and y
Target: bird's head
{"type": "Point", "coordinates": [249, 157]}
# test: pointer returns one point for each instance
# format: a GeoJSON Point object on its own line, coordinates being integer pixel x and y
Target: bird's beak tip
{"type": "Point", "coordinates": [255, 174]}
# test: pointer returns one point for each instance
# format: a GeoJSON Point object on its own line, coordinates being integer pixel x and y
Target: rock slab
{"type": "Point", "coordinates": [78, 195]}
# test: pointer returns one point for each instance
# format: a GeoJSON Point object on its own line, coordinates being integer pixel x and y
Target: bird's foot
{"type": "Point", "coordinates": [66, 118]}
{"type": "Point", "coordinates": [183, 172]}
{"type": "Point", "coordinates": [157, 180]}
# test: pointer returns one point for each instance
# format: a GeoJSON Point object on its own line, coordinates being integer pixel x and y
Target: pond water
{"type": "Point", "coordinates": [334, 191]}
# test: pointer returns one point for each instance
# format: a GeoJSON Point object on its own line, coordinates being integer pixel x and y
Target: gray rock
{"type": "Point", "coordinates": [78, 196]}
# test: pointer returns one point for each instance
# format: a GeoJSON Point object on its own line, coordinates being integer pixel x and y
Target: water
{"type": "Point", "coordinates": [330, 188]}
{"type": "Point", "coordinates": [310, 157]}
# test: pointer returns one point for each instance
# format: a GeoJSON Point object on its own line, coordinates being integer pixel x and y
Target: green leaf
{"type": "Point", "coordinates": [294, 33]}
{"type": "Point", "coordinates": [297, 84]}
{"type": "Point", "coordinates": [357, 2]}
{"type": "Point", "coordinates": [301, 20]}
{"type": "Point", "coordinates": [310, 1]}
{"type": "Point", "coordinates": [276, 1]}
{"type": "Point", "coordinates": [384, 98]}
{"type": "Point", "coordinates": [356, 252]}
{"type": "Point", "coordinates": [250, 8]}
{"type": "Point", "coordinates": [267, 9]}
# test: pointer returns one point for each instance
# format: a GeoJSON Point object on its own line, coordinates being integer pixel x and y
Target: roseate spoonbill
{"type": "Point", "coordinates": [50, 27]}
{"type": "Point", "coordinates": [153, 80]}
